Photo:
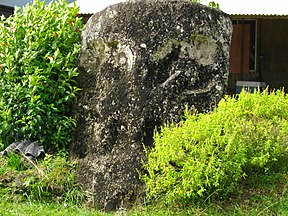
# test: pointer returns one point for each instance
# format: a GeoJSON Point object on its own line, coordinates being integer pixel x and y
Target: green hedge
{"type": "Point", "coordinates": [38, 49]}
{"type": "Point", "coordinates": [208, 154]}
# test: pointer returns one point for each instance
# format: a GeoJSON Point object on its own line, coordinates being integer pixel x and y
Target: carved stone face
{"type": "Point", "coordinates": [141, 62]}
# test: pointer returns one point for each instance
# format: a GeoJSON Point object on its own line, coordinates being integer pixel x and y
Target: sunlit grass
{"type": "Point", "coordinates": [270, 200]}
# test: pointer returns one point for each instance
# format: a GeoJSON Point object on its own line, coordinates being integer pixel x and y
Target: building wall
{"type": "Point", "coordinates": [243, 49]}
{"type": "Point", "coordinates": [273, 52]}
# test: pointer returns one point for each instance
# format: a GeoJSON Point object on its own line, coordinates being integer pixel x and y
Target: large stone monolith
{"type": "Point", "coordinates": [141, 62]}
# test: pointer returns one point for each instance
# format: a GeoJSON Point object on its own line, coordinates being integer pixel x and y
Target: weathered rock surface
{"type": "Point", "coordinates": [141, 62]}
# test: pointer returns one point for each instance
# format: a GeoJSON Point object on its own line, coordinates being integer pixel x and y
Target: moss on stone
{"type": "Point", "coordinates": [165, 50]}
{"type": "Point", "coordinates": [197, 37]}
{"type": "Point", "coordinates": [113, 44]}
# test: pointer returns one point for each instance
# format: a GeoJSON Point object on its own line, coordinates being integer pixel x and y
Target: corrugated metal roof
{"type": "Point", "coordinates": [90, 7]}
{"type": "Point", "coordinates": [6, 10]}
{"type": "Point", "coordinates": [28, 148]}
{"type": "Point", "coordinates": [21, 3]}
{"type": "Point", "coordinates": [254, 7]}
{"type": "Point", "coordinates": [233, 7]}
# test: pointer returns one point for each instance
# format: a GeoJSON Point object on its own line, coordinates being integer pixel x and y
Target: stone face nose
{"type": "Point", "coordinates": [141, 62]}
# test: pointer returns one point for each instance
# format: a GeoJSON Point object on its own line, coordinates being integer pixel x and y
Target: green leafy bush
{"type": "Point", "coordinates": [38, 50]}
{"type": "Point", "coordinates": [212, 4]}
{"type": "Point", "coordinates": [209, 154]}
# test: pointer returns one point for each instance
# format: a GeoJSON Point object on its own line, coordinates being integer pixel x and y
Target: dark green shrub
{"type": "Point", "coordinates": [38, 50]}
{"type": "Point", "coordinates": [208, 154]}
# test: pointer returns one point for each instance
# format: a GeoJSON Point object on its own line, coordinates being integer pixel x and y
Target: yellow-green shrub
{"type": "Point", "coordinates": [208, 153]}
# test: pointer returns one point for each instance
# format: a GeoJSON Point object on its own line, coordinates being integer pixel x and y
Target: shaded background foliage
{"type": "Point", "coordinates": [38, 51]}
